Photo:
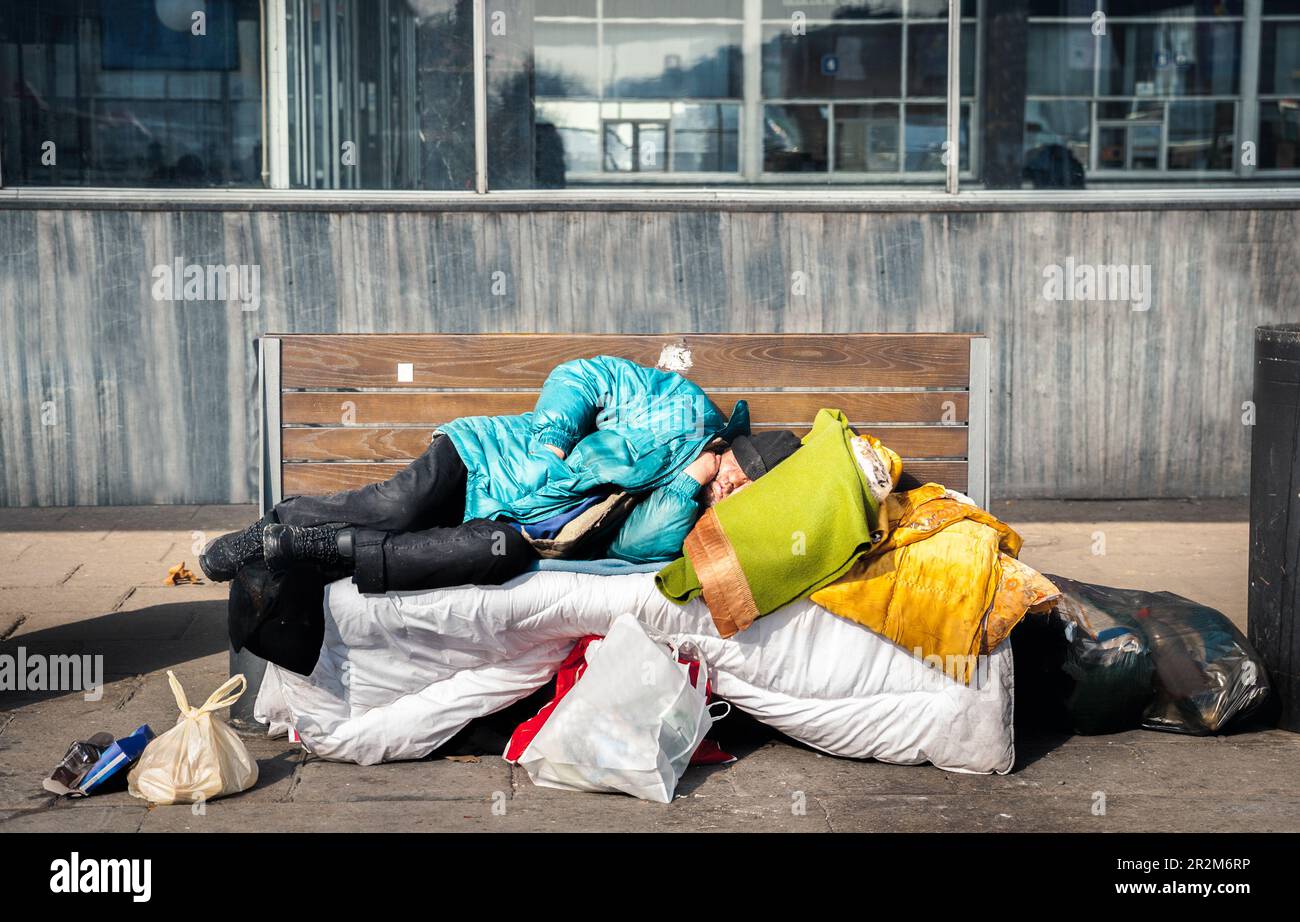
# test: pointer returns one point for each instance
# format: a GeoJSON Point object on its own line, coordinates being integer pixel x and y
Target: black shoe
{"type": "Point", "coordinates": [223, 556]}
{"type": "Point", "coordinates": [285, 545]}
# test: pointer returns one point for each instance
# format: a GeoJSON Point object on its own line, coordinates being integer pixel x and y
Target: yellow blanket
{"type": "Point", "coordinates": [944, 584]}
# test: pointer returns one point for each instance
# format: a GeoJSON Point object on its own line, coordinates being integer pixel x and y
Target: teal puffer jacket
{"type": "Point", "coordinates": [618, 423]}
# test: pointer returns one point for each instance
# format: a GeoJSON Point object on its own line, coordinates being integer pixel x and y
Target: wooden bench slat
{"type": "Point", "coordinates": [720, 360]}
{"type": "Point", "coordinates": [302, 408]}
{"type": "Point", "coordinates": [388, 444]}
{"type": "Point", "coordinates": [328, 478]}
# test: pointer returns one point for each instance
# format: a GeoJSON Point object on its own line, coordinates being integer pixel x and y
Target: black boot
{"type": "Point", "coordinates": [328, 546]}
{"type": "Point", "coordinates": [223, 556]}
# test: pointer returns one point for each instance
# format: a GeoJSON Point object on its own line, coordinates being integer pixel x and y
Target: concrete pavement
{"type": "Point", "coordinates": [90, 581]}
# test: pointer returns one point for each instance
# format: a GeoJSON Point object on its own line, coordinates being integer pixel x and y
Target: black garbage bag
{"type": "Point", "coordinates": [279, 616]}
{"type": "Point", "coordinates": [1155, 660]}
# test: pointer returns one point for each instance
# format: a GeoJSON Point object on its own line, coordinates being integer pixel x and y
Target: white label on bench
{"type": "Point", "coordinates": [405, 372]}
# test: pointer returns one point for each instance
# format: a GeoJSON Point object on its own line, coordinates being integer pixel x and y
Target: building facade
{"type": "Point", "coordinates": [609, 166]}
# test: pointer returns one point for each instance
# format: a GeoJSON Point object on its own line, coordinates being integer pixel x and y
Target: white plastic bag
{"type": "Point", "coordinates": [630, 724]}
{"type": "Point", "coordinates": [200, 758]}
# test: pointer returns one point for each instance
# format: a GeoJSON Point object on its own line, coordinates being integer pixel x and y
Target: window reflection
{"type": "Point", "coordinates": [1153, 91]}
{"type": "Point", "coordinates": [835, 61]}
{"type": "Point", "coordinates": [668, 61]}
{"type": "Point", "coordinates": [1279, 134]}
{"type": "Point", "coordinates": [623, 91]}
{"type": "Point", "coordinates": [1053, 93]}
{"type": "Point", "coordinates": [859, 92]}
{"type": "Point", "coordinates": [567, 59]}
{"type": "Point", "coordinates": [123, 93]}
{"type": "Point", "coordinates": [795, 139]}
{"type": "Point", "coordinates": [381, 94]}
{"type": "Point", "coordinates": [866, 138]}
{"type": "Point", "coordinates": [1170, 59]}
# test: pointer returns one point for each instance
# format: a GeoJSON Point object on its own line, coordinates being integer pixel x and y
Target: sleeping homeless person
{"type": "Point", "coordinates": [616, 460]}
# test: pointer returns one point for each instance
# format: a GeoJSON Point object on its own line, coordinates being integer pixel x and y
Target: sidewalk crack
{"type": "Point", "coordinates": [13, 628]}
{"type": "Point", "coordinates": [71, 573]}
{"type": "Point", "coordinates": [826, 813]}
{"type": "Point", "coordinates": [296, 780]}
{"type": "Point", "coordinates": [136, 684]}
{"type": "Point", "coordinates": [122, 601]}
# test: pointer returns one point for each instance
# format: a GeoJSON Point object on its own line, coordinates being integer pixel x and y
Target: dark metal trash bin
{"type": "Point", "coordinates": [241, 712]}
{"type": "Point", "coordinates": [1274, 601]}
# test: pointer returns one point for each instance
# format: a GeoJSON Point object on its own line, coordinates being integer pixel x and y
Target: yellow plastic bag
{"type": "Point", "coordinates": [200, 758]}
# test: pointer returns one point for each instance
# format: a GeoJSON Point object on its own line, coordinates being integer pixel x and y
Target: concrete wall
{"type": "Point", "coordinates": [108, 396]}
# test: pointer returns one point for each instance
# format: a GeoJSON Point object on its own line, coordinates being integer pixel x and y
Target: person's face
{"type": "Point", "coordinates": [728, 480]}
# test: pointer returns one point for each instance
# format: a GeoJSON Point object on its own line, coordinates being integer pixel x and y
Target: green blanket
{"type": "Point", "coordinates": [796, 529]}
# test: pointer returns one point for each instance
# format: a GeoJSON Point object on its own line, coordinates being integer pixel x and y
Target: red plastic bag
{"type": "Point", "coordinates": [708, 752]}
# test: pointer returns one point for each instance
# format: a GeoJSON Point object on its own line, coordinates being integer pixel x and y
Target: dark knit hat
{"type": "Point", "coordinates": [758, 454]}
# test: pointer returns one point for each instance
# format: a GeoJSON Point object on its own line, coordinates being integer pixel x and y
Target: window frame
{"type": "Point", "coordinates": [751, 185]}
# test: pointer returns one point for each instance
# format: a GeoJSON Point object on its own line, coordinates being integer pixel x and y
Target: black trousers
{"type": "Point", "coordinates": [409, 533]}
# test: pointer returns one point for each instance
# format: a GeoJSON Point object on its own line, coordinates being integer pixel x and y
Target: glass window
{"type": "Point", "coordinates": [1115, 92]}
{"type": "Point", "coordinates": [1061, 60]}
{"type": "Point", "coordinates": [648, 61]}
{"type": "Point", "coordinates": [1058, 134]}
{"type": "Point", "coordinates": [1279, 57]}
{"type": "Point", "coordinates": [615, 92]}
{"type": "Point", "coordinates": [131, 93]}
{"type": "Point", "coordinates": [380, 94]}
{"type": "Point", "coordinates": [795, 139]}
{"type": "Point", "coordinates": [568, 138]}
{"type": "Point", "coordinates": [858, 93]}
{"type": "Point", "coordinates": [927, 60]}
{"type": "Point", "coordinates": [821, 94]}
{"type": "Point", "coordinates": [1170, 59]}
{"type": "Point", "coordinates": [566, 60]}
{"type": "Point", "coordinates": [705, 138]}
{"type": "Point", "coordinates": [1279, 134]}
{"type": "Point", "coordinates": [831, 10]}
{"type": "Point", "coordinates": [1278, 128]}
{"type": "Point", "coordinates": [1052, 93]}
{"type": "Point", "coordinates": [866, 138]}
{"type": "Point", "coordinates": [834, 61]}
{"type": "Point", "coordinates": [1200, 135]}
{"type": "Point", "coordinates": [924, 133]}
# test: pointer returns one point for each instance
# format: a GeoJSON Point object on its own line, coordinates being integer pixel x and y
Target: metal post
{"type": "Point", "coordinates": [244, 661]}
{"type": "Point", "coordinates": [751, 119]}
{"type": "Point", "coordinates": [277, 89]}
{"type": "Point", "coordinates": [480, 97]}
{"type": "Point", "coordinates": [954, 95]}
{"type": "Point", "coordinates": [1252, 35]}
{"type": "Point", "coordinates": [978, 422]}
{"type": "Point", "coordinates": [268, 369]}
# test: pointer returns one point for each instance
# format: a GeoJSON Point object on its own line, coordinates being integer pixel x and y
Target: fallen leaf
{"type": "Point", "coordinates": [179, 576]}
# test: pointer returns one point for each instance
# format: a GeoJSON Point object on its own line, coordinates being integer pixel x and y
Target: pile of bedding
{"type": "Point", "coordinates": [400, 674]}
{"type": "Point", "coordinates": [877, 629]}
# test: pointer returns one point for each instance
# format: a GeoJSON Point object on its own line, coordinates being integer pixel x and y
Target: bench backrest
{"type": "Point", "coordinates": [342, 410]}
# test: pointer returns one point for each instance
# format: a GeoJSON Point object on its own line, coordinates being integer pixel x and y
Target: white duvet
{"type": "Point", "coordinates": [400, 674]}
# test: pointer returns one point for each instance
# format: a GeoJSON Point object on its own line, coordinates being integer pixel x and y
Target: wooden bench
{"type": "Point", "coordinates": [342, 410]}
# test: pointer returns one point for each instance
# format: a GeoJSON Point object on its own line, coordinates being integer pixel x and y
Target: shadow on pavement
{"type": "Point", "coordinates": [131, 643]}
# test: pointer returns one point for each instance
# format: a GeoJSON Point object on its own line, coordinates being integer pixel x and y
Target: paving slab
{"type": "Point", "coordinates": [1038, 812]}
{"type": "Point", "coordinates": [1082, 766]}
{"type": "Point", "coordinates": [61, 602]}
{"type": "Point", "coordinates": [1195, 549]}
{"type": "Point", "coordinates": [320, 781]}
{"type": "Point", "coordinates": [108, 602]}
{"type": "Point", "coordinates": [87, 817]}
{"type": "Point", "coordinates": [565, 812]}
